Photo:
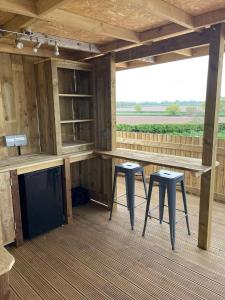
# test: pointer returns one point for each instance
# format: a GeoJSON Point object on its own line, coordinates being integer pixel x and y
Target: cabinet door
{"type": "Point", "coordinates": [7, 229]}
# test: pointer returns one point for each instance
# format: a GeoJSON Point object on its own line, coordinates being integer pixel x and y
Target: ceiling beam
{"type": "Point", "coordinates": [127, 38]}
{"type": "Point", "coordinates": [22, 7]}
{"type": "Point", "coordinates": [169, 30]}
{"type": "Point", "coordinates": [71, 20]}
{"type": "Point", "coordinates": [67, 19]}
{"type": "Point", "coordinates": [184, 52]}
{"type": "Point", "coordinates": [18, 23]}
{"type": "Point", "coordinates": [41, 8]}
{"type": "Point", "coordinates": [169, 45]}
{"type": "Point", "coordinates": [165, 10]}
{"type": "Point", "coordinates": [46, 6]}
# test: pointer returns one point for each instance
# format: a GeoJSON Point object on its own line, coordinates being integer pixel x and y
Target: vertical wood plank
{"type": "Point", "coordinates": [46, 111]}
{"type": "Point", "coordinates": [216, 51]}
{"type": "Point", "coordinates": [67, 191]}
{"type": "Point", "coordinates": [16, 207]}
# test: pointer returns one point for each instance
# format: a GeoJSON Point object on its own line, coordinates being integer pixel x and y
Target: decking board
{"type": "Point", "coordinates": [97, 259]}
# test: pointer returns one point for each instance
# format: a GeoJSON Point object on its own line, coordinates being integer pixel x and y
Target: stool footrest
{"type": "Point", "coordinates": [167, 222]}
{"type": "Point", "coordinates": [154, 208]}
{"type": "Point", "coordinates": [127, 206]}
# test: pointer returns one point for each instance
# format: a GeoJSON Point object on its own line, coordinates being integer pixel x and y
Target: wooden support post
{"type": "Point", "coordinates": [105, 126]}
{"type": "Point", "coordinates": [67, 191]}
{"type": "Point", "coordinates": [216, 50]}
{"type": "Point", "coordinates": [16, 207]}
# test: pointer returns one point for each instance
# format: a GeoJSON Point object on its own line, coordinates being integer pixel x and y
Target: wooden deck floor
{"type": "Point", "coordinates": [98, 259]}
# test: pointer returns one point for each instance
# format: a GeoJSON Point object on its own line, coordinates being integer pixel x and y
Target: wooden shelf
{"type": "Point", "coordinates": [76, 121]}
{"type": "Point", "coordinates": [76, 95]}
{"type": "Point", "coordinates": [77, 144]}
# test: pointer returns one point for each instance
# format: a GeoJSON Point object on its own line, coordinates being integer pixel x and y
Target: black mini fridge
{"type": "Point", "coordinates": [41, 197]}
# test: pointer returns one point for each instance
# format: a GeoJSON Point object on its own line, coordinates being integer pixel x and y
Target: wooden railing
{"type": "Point", "coordinates": [176, 145]}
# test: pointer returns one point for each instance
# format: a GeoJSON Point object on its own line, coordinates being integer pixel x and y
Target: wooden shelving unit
{"type": "Point", "coordinates": [71, 103]}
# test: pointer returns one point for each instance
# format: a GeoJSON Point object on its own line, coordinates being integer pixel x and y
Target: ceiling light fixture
{"type": "Point", "coordinates": [38, 39]}
{"type": "Point", "coordinates": [19, 44]}
{"type": "Point", "coordinates": [36, 47]}
{"type": "Point", "coordinates": [56, 51]}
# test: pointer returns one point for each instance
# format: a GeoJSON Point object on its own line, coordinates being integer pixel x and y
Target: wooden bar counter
{"type": "Point", "coordinates": [193, 165]}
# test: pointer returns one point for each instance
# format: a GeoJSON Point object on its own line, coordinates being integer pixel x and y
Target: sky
{"type": "Point", "coordinates": [180, 80]}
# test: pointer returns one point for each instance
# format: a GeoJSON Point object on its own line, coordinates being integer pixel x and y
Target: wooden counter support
{"type": "Point", "coordinates": [216, 50]}
{"type": "Point", "coordinates": [16, 207]}
{"type": "Point", "coordinates": [67, 191]}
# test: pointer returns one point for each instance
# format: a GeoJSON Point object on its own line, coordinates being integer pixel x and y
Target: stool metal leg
{"type": "Point", "coordinates": [144, 183]}
{"type": "Point", "coordinates": [113, 194]}
{"type": "Point", "coordinates": [162, 191]}
{"type": "Point", "coordinates": [185, 205]}
{"type": "Point", "coordinates": [171, 190]}
{"type": "Point", "coordinates": [148, 204]}
{"type": "Point", "coordinates": [127, 188]}
{"type": "Point", "coordinates": [130, 195]}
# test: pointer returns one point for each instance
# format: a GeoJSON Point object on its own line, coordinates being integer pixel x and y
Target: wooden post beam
{"type": "Point", "coordinates": [189, 40]}
{"type": "Point", "coordinates": [216, 51]}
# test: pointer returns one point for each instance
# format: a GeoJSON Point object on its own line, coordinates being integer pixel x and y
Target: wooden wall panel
{"type": "Point", "coordinates": [45, 76]}
{"type": "Point", "coordinates": [7, 231]}
{"type": "Point", "coordinates": [18, 103]}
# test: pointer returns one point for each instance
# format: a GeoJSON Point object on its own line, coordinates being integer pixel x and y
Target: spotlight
{"type": "Point", "coordinates": [56, 51]}
{"type": "Point", "coordinates": [19, 44]}
{"type": "Point", "coordinates": [36, 47]}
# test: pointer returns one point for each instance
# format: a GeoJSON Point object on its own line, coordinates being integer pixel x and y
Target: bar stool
{"type": "Point", "coordinates": [167, 181]}
{"type": "Point", "coordinates": [130, 170]}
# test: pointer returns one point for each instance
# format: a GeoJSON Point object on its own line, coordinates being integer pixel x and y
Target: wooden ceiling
{"type": "Point", "coordinates": [113, 25]}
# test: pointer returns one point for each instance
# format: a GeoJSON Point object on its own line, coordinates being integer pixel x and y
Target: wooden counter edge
{"type": "Point", "coordinates": [104, 155]}
{"type": "Point", "coordinates": [53, 161]}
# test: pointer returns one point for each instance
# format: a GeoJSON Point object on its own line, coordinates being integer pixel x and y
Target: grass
{"type": "Point", "coordinates": [148, 113]}
{"type": "Point", "coordinates": [192, 130]}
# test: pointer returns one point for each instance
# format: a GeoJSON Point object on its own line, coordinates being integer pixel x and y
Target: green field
{"type": "Point", "coordinates": [159, 113]}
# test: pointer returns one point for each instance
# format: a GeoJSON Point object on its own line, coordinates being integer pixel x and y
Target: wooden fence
{"type": "Point", "coordinates": [176, 145]}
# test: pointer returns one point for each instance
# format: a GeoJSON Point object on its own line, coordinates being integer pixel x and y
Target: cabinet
{"type": "Point", "coordinates": [65, 106]}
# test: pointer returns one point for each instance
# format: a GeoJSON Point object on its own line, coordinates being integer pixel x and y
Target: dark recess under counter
{"type": "Point", "coordinates": [41, 198]}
